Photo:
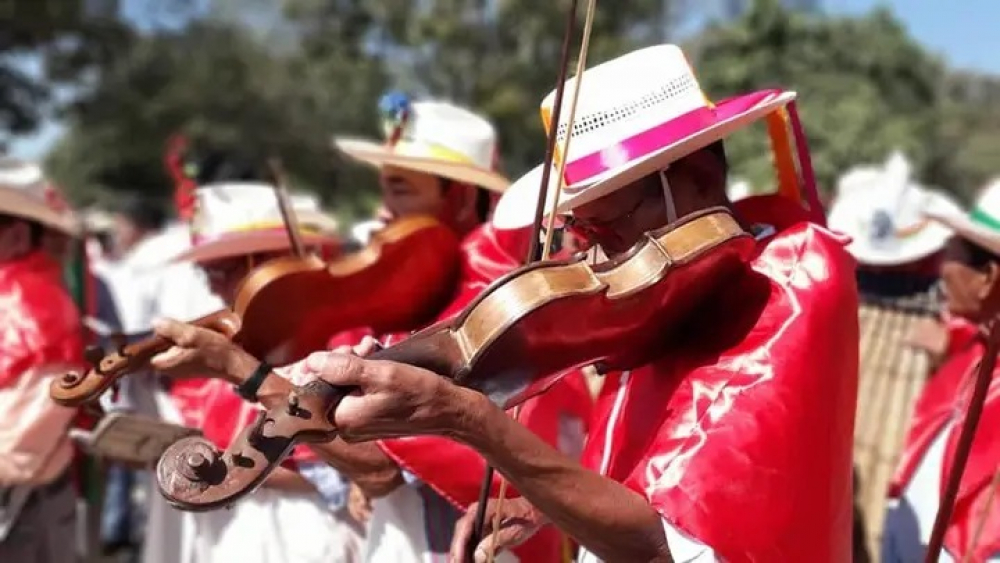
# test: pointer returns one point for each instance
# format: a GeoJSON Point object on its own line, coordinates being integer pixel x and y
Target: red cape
{"type": "Point", "coordinates": [39, 323]}
{"type": "Point", "coordinates": [951, 386]}
{"type": "Point", "coordinates": [741, 436]}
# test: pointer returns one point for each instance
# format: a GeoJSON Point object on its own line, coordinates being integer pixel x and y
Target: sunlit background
{"type": "Point", "coordinates": [96, 87]}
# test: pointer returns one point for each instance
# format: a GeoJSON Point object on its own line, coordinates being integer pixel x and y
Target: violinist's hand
{"type": "Point", "coordinates": [198, 352]}
{"type": "Point", "coordinates": [389, 399]}
{"type": "Point", "coordinates": [519, 520]}
{"type": "Point", "coordinates": [359, 505]}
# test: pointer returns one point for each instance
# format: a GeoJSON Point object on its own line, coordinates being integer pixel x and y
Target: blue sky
{"type": "Point", "coordinates": [967, 37]}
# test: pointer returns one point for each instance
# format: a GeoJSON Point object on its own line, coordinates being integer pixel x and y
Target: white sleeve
{"type": "Point", "coordinates": [683, 548]}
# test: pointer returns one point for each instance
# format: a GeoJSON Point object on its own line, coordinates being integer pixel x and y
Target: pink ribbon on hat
{"type": "Point", "coordinates": [658, 137]}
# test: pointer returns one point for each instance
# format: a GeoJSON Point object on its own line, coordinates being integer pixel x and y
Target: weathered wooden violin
{"type": "Point", "coordinates": [511, 343]}
{"type": "Point", "coordinates": [406, 270]}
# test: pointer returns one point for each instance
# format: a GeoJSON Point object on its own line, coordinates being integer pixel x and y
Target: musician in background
{"type": "Point", "coordinates": [970, 272]}
{"type": "Point", "coordinates": [441, 160]}
{"type": "Point", "coordinates": [300, 513]}
{"type": "Point", "coordinates": [40, 339]}
{"type": "Point", "coordinates": [714, 450]}
{"type": "Point", "coordinates": [898, 251]}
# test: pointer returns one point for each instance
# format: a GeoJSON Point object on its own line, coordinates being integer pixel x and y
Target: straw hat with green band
{"type": "Point", "coordinates": [981, 225]}
{"type": "Point", "coordinates": [435, 138]}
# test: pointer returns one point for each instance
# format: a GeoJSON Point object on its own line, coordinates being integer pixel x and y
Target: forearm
{"type": "Point", "coordinates": [364, 464]}
{"type": "Point", "coordinates": [610, 520]}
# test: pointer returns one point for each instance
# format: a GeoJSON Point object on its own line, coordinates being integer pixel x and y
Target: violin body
{"type": "Point", "coordinates": [291, 306]}
{"type": "Point", "coordinates": [519, 337]}
{"type": "Point", "coordinates": [397, 283]}
{"type": "Point", "coordinates": [548, 318]}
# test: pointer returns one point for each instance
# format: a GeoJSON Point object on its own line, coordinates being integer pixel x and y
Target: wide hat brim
{"type": "Point", "coordinates": [516, 208]}
{"type": "Point", "coordinates": [379, 155]}
{"type": "Point", "coordinates": [243, 244]}
{"type": "Point", "coordinates": [18, 204]}
{"type": "Point", "coordinates": [964, 226]}
{"type": "Point", "coordinates": [850, 210]}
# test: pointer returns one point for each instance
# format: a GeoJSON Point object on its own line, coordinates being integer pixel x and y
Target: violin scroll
{"type": "Point", "coordinates": [75, 388]}
{"type": "Point", "coordinates": [194, 475]}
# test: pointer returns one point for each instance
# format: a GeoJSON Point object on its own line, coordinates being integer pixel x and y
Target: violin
{"type": "Point", "coordinates": [407, 271]}
{"type": "Point", "coordinates": [511, 343]}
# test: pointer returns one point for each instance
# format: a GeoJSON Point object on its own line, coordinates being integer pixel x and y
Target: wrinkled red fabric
{"type": "Point", "coordinates": [946, 394]}
{"type": "Point", "coordinates": [741, 435]}
{"type": "Point", "coordinates": [456, 471]}
{"type": "Point", "coordinates": [39, 323]}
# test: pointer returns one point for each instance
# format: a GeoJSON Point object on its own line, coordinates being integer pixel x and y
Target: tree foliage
{"type": "Point", "coordinates": [865, 87]}
{"type": "Point", "coordinates": [283, 78]}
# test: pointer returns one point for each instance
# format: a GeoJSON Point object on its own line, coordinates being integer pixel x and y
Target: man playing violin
{"type": "Point", "coordinates": [735, 444]}
{"type": "Point", "coordinates": [439, 160]}
{"type": "Point", "coordinates": [237, 226]}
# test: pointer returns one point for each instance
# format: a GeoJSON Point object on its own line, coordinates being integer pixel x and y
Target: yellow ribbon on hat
{"type": "Point", "coordinates": [255, 226]}
{"type": "Point", "coordinates": [434, 151]}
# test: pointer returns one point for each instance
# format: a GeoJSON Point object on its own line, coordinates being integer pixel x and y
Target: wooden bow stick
{"type": "Point", "coordinates": [550, 228]}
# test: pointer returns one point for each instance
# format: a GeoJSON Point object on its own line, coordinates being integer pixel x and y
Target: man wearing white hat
{"type": "Point", "coordinates": [736, 443]}
{"type": "Point", "coordinates": [299, 514]}
{"type": "Point", "coordinates": [970, 274]}
{"type": "Point", "coordinates": [40, 338]}
{"type": "Point", "coordinates": [439, 159]}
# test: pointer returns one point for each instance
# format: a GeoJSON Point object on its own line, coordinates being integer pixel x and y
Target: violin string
{"type": "Point", "coordinates": [581, 66]}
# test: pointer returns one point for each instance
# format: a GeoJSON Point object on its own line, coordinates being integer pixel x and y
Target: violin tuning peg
{"type": "Point", "coordinates": [93, 355]}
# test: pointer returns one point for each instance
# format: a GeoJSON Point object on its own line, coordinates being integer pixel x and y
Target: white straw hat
{"type": "Point", "coordinates": [436, 138]}
{"type": "Point", "coordinates": [635, 115]}
{"type": "Point", "coordinates": [236, 219]}
{"type": "Point", "coordinates": [884, 212]}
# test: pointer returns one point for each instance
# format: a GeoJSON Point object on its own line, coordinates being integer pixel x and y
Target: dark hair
{"type": "Point", "coordinates": [482, 197]}
{"type": "Point", "coordinates": [718, 148]}
{"type": "Point", "coordinates": [966, 252]}
{"type": "Point", "coordinates": [36, 231]}
{"type": "Point", "coordinates": [147, 213]}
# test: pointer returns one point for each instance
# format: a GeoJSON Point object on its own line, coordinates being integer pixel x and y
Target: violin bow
{"type": "Point", "coordinates": [533, 251]}
{"type": "Point", "coordinates": [288, 215]}
{"type": "Point", "coordinates": [984, 377]}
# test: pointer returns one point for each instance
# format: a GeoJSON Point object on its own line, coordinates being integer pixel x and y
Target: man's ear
{"type": "Point", "coordinates": [991, 281]}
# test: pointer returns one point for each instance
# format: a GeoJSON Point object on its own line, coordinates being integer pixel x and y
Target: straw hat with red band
{"type": "Point", "coordinates": [25, 192]}
{"type": "Point", "coordinates": [635, 115]}
{"type": "Point", "coordinates": [981, 225]}
{"type": "Point", "coordinates": [435, 138]}
{"type": "Point", "coordinates": [238, 219]}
